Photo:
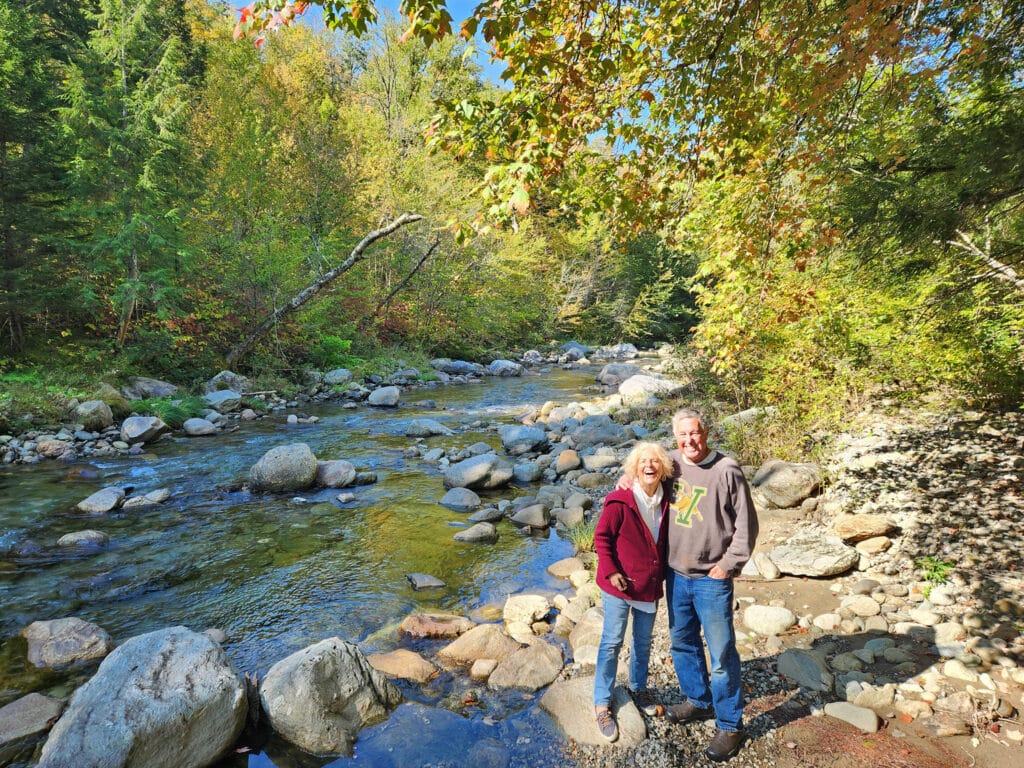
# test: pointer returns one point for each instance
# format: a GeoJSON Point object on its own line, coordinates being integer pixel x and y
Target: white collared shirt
{"type": "Point", "coordinates": [650, 507]}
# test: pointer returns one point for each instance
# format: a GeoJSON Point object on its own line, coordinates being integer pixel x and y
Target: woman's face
{"type": "Point", "coordinates": [650, 470]}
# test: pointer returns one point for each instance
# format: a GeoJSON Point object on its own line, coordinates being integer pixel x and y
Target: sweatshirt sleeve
{"type": "Point", "coordinates": [745, 524]}
{"type": "Point", "coordinates": [607, 529]}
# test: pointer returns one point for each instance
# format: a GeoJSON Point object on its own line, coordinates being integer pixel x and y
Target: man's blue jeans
{"type": "Point", "coordinates": [705, 602]}
{"type": "Point", "coordinates": [616, 613]}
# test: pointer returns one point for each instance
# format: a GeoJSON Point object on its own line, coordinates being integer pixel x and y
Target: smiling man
{"type": "Point", "coordinates": [711, 534]}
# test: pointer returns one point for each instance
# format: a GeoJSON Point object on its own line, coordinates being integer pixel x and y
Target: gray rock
{"type": "Point", "coordinates": [102, 501]}
{"type": "Point", "coordinates": [488, 514]}
{"type": "Point", "coordinates": [385, 397]}
{"type": "Point", "coordinates": [859, 717]}
{"type": "Point", "coordinates": [806, 668]}
{"type": "Point", "coordinates": [765, 566]}
{"type": "Point", "coordinates": [529, 669]}
{"type": "Point", "coordinates": [517, 439]}
{"type": "Point", "coordinates": [614, 374]}
{"type": "Point", "coordinates": [527, 472]}
{"type": "Point", "coordinates": [461, 500]}
{"type": "Point", "coordinates": [813, 553]}
{"type": "Point", "coordinates": [484, 641]}
{"type": "Point", "coordinates": [504, 368]}
{"type": "Point", "coordinates": [223, 400]}
{"type": "Point", "coordinates": [285, 468]}
{"type": "Point", "coordinates": [94, 415]}
{"type": "Point", "coordinates": [142, 429]}
{"type": "Point", "coordinates": [424, 581]}
{"type": "Point", "coordinates": [534, 516]}
{"type": "Point", "coordinates": [457, 367]}
{"type": "Point", "coordinates": [61, 642]}
{"type": "Point", "coordinates": [485, 471]}
{"type": "Point", "coordinates": [481, 533]}
{"type": "Point", "coordinates": [336, 473]}
{"type": "Point", "coordinates": [142, 388]}
{"type": "Point", "coordinates": [571, 704]}
{"type": "Point", "coordinates": [319, 698]}
{"type": "Point", "coordinates": [172, 681]}
{"type": "Point", "coordinates": [228, 380]}
{"type": "Point", "coordinates": [86, 538]}
{"type": "Point", "coordinates": [338, 376]}
{"type": "Point", "coordinates": [598, 430]}
{"type": "Point", "coordinates": [195, 427]}
{"type": "Point", "coordinates": [783, 484]}
{"type": "Point", "coordinates": [642, 389]}
{"type": "Point", "coordinates": [159, 496]}
{"type": "Point", "coordinates": [27, 716]}
{"type": "Point", "coordinates": [427, 428]}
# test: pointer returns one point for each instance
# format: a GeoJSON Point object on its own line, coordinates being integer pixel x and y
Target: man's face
{"type": "Point", "coordinates": [692, 440]}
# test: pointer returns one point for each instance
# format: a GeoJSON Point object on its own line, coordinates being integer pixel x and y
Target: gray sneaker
{"type": "Point", "coordinates": [606, 725]}
{"type": "Point", "coordinates": [724, 746]}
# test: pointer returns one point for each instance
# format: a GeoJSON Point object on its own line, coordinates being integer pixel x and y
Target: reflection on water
{"type": "Point", "coordinates": [275, 573]}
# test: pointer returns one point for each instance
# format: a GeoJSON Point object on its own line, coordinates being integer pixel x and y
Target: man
{"type": "Point", "coordinates": [712, 528]}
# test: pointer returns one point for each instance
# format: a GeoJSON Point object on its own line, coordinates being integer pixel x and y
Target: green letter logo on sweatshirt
{"type": "Point", "coordinates": [685, 504]}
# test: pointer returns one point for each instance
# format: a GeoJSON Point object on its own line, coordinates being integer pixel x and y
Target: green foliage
{"type": "Point", "coordinates": [332, 352]}
{"type": "Point", "coordinates": [173, 411]}
{"type": "Point", "coordinates": [582, 535]}
{"type": "Point", "coordinates": [934, 571]}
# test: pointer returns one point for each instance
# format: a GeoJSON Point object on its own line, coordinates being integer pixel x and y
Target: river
{"type": "Point", "coordinates": [278, 573]}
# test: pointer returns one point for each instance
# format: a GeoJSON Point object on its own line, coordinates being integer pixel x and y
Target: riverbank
{"type": "Point", "coordinates": [948, 691]}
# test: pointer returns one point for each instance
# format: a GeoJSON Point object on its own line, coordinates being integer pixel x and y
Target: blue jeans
{"type": "Point", "coordinates": [616, 613]}
{"type": "Point", "coordinates": [704, 602]}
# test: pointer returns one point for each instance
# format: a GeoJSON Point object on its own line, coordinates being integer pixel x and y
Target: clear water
{"type": "Point", "coordinates": [277, 574]}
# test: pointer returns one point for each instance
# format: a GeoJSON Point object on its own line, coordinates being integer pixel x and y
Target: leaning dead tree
{"type": "Point", "coordinates": [312, 290]}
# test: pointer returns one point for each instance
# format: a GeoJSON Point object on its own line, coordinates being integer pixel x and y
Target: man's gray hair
{"type": "Point", "coordinates": [688, 413]}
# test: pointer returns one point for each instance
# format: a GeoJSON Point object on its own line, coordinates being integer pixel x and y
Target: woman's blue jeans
{"type": "Point", "coordinates": [703, 602]}
{"type": "Point", "coordinates": [613, 631]}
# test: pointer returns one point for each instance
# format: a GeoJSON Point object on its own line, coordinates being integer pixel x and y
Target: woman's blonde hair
{"type": "Point", "coordinates": [631, 466]}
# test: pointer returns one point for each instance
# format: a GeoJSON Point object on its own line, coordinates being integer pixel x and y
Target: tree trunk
{"type": "Point", "coordinates": [314, 288]}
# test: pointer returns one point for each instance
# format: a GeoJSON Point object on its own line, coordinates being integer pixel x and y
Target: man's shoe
{"type": "Point", "coordinates": [646, 702]}
{"type": "Point", "coordinates": [606, 725]}
{"type": "Point", "coordinates": [724, 746]}
{"type": "Point", "coordinates": [687, 712]}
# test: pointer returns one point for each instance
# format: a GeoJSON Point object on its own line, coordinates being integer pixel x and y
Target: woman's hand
{"type": "Point", "coordinates": [618, 581]}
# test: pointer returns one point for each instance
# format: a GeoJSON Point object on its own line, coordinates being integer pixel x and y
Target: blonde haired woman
{"type": "Point", "coordinates": [630, 543]}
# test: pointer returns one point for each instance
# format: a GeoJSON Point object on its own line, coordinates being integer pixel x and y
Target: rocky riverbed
{"type": "Point", "coordinates": [882, 666]}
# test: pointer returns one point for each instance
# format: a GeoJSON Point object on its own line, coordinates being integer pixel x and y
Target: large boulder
{"type": "Point", "coordinates": [167, 699]}
{"type": "Point", "coordinates": [461, 500]}
{"type": "Point", "coordinates": [61, 642]}
{"type": "Point", "coordinates": [319, 698]}
{"type": "Point", "coordinates": [504, 368]}
{"type": "Point", "coordinates": [599, 430]}
{"type": "Point", "coordinates": [782, 484]}
{"type": "Point", "coordinates": [434, 625]}
{"type": "Point", "coordinates": [573, 351]}
{"type": "Point", "coordinates": [528, 669]}
{"type": "Point", "coordinates": [236, 382]}
{"type": "Point", "coordinates": [336, 473]}
{"type": "Point", "coordinates": [517, 440]}
{"type": "Point", "coordinates": [118, 403]}
{"type": "Point", "coordinates": [27, 716]}
{"type": "Point", "coordinates": [484, 641]}
{"type": "Point", "coordinates": [485, 471]}
{"type": "Point", "coordinates": [338, 376]}
{"type": "Point", "coordinates": [813, 553]}
{"type": "Point", "coordinates": [614, 374]}
{"type": "Point", "coordinates": [104, 500]}
{"type": "Point", "coordinates": [142, 388]}
{"type": "Point", "coordinates": [94, 415]}
{"type": "Point", "coordinates": [285, 468]}
{"type": "Point", "coordinates": [571, 705]}
{"type": "Point", "coordinates": [142, 429]}
{"type": "Point", "coordinates": [196, 427]}
{"type": "Point", "coordinates": [385, 397]}
{"type": "Point", "coordinates": [642, 389]}
{"type": "Point", "coordinates": [427, 428]}
{"type": "Point", "coordinates": [223, 400]}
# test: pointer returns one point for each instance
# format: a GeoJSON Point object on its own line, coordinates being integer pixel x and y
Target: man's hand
{"type": "Point", "coordinates": [718, 573]}
{"type": "Point", "coordinates": [618, 581]}
{"type": "Point", "coordinates": [625, 483]}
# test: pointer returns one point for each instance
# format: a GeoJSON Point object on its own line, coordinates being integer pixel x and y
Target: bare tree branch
{"type": "Point", "coordinates": [314, 288]}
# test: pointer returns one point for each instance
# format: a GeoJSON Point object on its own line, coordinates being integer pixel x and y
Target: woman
{"type": "Point", "coordinates": [630, 543]}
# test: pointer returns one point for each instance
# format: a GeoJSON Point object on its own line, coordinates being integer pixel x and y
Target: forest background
{"type": "Point", "coordinates": [814, 202]}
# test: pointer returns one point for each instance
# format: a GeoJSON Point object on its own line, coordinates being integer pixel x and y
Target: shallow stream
{"type": "Point", "coordinates": [276, 573]}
